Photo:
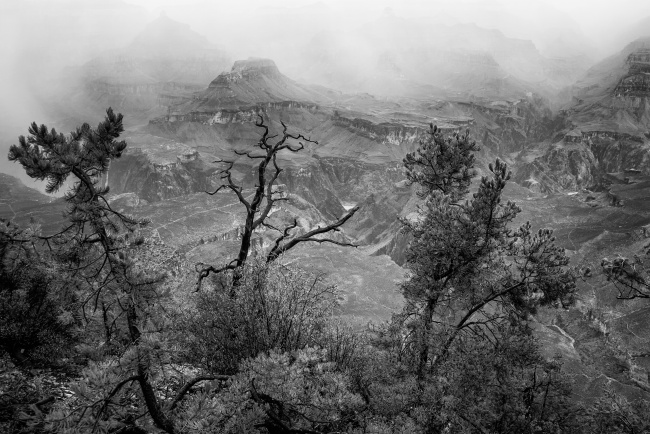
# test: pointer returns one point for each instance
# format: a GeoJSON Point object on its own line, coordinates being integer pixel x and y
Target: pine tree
{"type": "Point", "coordinates": [465, 258]}
{"type": "Point", "coordinates": [85, 155]}
{"type": "Point", "coordinates": [442, 164]}
{"type": "Point", "coordinates": [37, 304]}
{"type": "Point", "coordinates": [473, 280]}
{"type": "Point", "coordinates": [98, 244]}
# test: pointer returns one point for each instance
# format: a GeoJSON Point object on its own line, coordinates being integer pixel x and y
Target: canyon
{"type": "Point", "coordinates": [581, 169]}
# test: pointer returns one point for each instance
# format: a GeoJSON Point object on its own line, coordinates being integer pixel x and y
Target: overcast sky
{"type": "Point", "coordinates": [45, 20]}
{"type": "Point", "coordinates": [40, 37]}
{"type": "Point", "coordinates": [594, 17]}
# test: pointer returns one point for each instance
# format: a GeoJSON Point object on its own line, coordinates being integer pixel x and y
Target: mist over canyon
{"type": "Point", "coordinates": [535, 87]}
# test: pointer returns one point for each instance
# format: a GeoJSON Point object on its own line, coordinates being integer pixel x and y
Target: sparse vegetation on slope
{"type": "Point", "coordinates": [259, 350]}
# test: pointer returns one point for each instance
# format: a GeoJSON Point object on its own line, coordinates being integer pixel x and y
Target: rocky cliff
{"type": "Point", "coordinates": [515, 125]}
{"type": "Point", "coordinates": [636, 83]}
{"type": "Point", "coordinates": [582, 159]}
{"type": "Point", "coordinates": [153, 180]}
{"type": "Point", "coordinates": [606, 129]}
{"type": "Point", "coordinates": [386, 133]}
{"type": "Point", "coordinates": [613, 95]}
{"type": "Point", "coordinates": [562, 167]}
{"type": "Point", "coordinates": [238, 115]}
{"type": "Point", "coordinates": [251, 82]}
{"type": "Point", "coordinates": [249, 70]}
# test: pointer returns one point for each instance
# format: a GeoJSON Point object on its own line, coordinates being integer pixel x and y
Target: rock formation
{"type": "Point", "coordinates": [250, 83]}
{"type": "Point", "coordinates": [606, 129]}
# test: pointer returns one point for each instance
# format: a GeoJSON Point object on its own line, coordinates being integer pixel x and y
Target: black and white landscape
{"type": "Point", "coordinates": [327, 217]}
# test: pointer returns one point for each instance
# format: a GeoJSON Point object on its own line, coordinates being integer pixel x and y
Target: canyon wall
{"type": "Point", "coordinates": [153, 182]}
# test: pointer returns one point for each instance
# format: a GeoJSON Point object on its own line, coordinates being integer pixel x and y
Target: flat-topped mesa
{"type": "Point", "coordinates": [250, 83]}
{"type": "Point", "coordinates": [255, 64]}
{"type": "Point", "coordinates": [247, 70]}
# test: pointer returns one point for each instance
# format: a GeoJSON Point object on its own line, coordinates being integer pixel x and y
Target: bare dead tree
{"type": "Point", "coordinates": [265, 196]}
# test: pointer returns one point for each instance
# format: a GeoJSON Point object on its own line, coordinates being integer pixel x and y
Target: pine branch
{"type": "Point", "coordinates": [191, 383]}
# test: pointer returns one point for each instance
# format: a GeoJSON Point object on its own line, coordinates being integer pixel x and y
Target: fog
{"type": "Point", "coordinates": [44, 41]}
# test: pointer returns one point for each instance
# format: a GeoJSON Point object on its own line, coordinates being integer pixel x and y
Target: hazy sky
{"type": "Point", "coordinates": [596, 18]}
{"type": "Point", "coordinates": [599, 20]}
{"type": "Point", "coordinates": [41, 37]}
{"type": "Point", "coordinates": [71, 31]}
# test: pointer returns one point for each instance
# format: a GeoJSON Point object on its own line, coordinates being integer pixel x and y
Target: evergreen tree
{"type": "Point", "coordinates": [38, 305]}
{"type": "Point", "coordinates": [99, 247]}
{"type": "Point", "coordinates": [443, 164]}
{"type": "Point", "coordinates": [472, 283]}
{"type": "Point", "coordinates": [93, 240]}
{"type": "Point", "coordinates": [131, 389]}
{"type": "Point", "coordinates": [465, 262]}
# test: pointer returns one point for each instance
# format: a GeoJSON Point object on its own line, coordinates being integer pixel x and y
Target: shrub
{"type": "Point", "coordinates": [275, 307]}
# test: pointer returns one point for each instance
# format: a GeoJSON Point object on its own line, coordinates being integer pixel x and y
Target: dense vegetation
{"type": "Point", "coordinates": [114, 316]}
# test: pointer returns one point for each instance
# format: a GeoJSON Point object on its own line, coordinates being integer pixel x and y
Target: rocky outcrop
{"type": "Point", "coordinates": [328, 182]}
{"type": "Point", "coordinates": [562, 167]}
{"type": "Point", "coordinates": [398, 134]}
{"type": "Point", "coordinates": [396, 245]}
{"type": "Point", "coordinates": [394, 134]}
{"type": "Point", "coordinates": [617, 153]}
{"type": "Point", "coordinates": [377, 218]}
{"type": "Point", "coordinates": [314, 186]}
{"type": "Point", "coordinates": [607, 127]}
{"type": "Point", "coordinates": [637, 82]}
{"type": "Point", "coordinates": [512, 126]}
{"type": "Point", "coordinates": [247, 70]}
{"type": "Point", "coordinates": [153, 181]}
{"type": "Point", "coordinates": [225, 116]}
{"type": "Point", "coordinates": [324, 184]}
{"type": "Point", "coordinates": [353, 180]}
{"type": "Point", "coordinates": [636, 85]}
{"type": "Point", "coordinates": [237, 115]}
{"type": "Point", "coordinates": [615, 94]}
{"type": "Point", "coordinates": [574, 168]}
{"type": "Point", "coordinates": [249, 83]}
{"type": "Point", "coordinates": [582, 159]}
{"type": "Point", "coordinates": [123, 201]}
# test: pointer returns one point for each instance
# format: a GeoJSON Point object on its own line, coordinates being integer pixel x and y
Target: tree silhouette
{"type": "Point", "coordinates": [85, 155]}
{"type": "Point", "coordinates": [265, 196]}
